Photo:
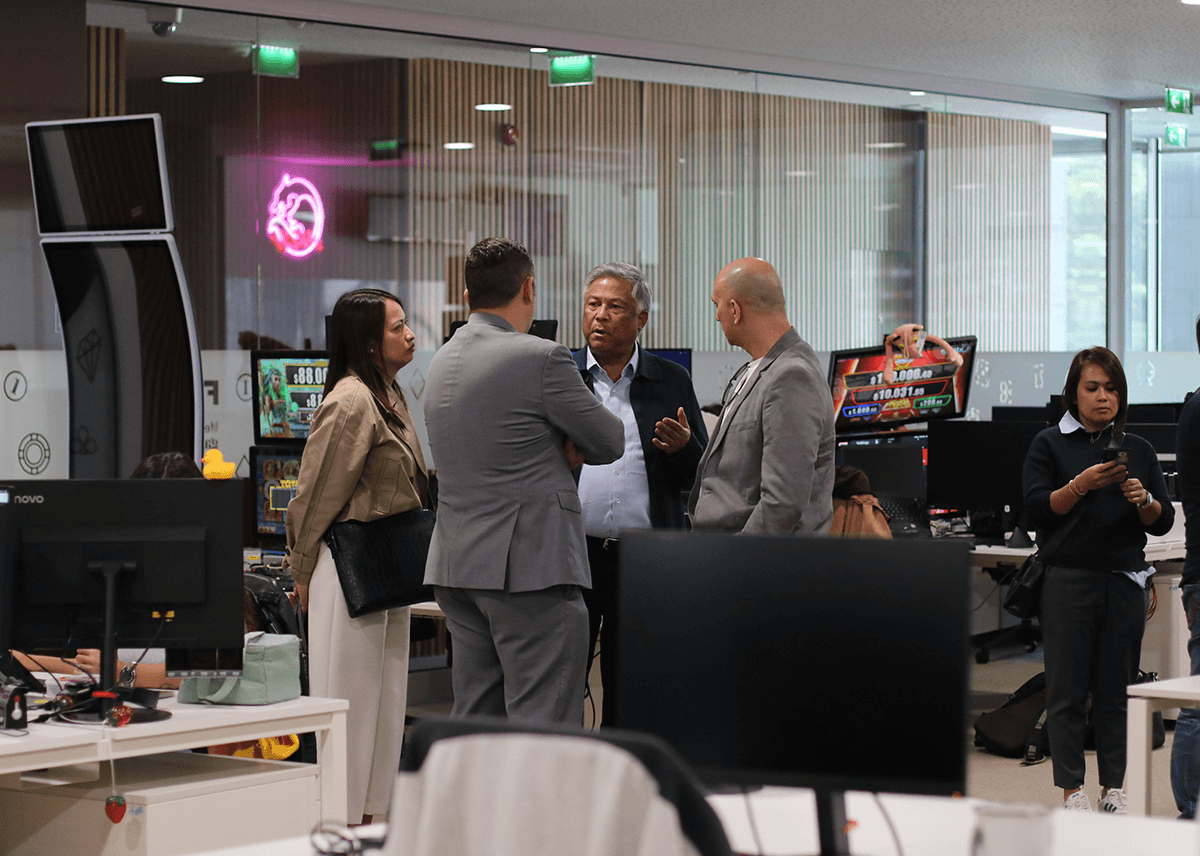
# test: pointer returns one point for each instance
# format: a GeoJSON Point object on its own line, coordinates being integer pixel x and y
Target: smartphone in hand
{"type": "Point", "coordinates": [1120, 454]}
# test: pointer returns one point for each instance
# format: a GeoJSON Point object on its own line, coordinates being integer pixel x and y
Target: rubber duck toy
{"type": "Point", "coordinates": [216, 467]}
{"type": "Point", "coordinates": [909, 340]}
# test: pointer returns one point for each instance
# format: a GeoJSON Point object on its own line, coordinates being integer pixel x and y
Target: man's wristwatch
{"type": "Point", "coordinates": [1147, 502]}
{"type": "Point", "coordinates": [127, 676]}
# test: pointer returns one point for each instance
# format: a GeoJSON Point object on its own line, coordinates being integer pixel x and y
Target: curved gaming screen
{"type": "Point", "coordinates": [924, 387]}
{"type": "Point", "coordinates": [100, 176]}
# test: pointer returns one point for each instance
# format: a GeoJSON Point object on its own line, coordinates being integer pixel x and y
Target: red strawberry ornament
{"type": "Point", "coordinates": [115, 807]}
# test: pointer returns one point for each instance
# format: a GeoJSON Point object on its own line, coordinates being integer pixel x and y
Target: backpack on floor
{"type": "Point", "coordinates": [1009, 729]}
{"type": "Point", "coordinates": [1017, 729]}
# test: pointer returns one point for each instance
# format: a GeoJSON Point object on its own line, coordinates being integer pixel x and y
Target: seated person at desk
{"type": "Point", "coordinates": [133, 669]}
{"type": "Point", "coordinates": [136, 667]}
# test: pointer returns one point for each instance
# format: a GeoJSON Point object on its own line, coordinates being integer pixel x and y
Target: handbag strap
{"type": "Point", "coordinates": [1060, 535]}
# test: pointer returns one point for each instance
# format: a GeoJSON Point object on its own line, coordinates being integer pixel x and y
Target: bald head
{"type": "Point", "coordinates": [748, 297]}
{"type": "Point", "coordinates": [754, 283]}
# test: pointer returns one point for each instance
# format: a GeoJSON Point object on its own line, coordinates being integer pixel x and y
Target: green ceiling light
{"type": "Point", "coordinates": [572, 70]}
{"type": "Point", "coordinates": [274, 61]}
{"type": "Point", "coordinates": [1179, 100]}
{"type": "Point", "coordinates": [386, 150]}
{"type": "Point", "coordinates": [1176, 135]}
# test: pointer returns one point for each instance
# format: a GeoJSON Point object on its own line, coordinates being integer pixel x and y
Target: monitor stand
{"type": "Point", "coordinates": [95, 710]}
{"type": "Point", "coordinates": [831, 822]}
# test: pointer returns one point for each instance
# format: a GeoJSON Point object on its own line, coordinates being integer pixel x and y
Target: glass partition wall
{"type": "Point", "coordinates": [307, 159]}
{"type": "Point", "coordinates": [877, 206]}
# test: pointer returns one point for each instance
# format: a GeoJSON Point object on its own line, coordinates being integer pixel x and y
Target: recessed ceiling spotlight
{"type": "Point", "coordinates": [458, 145]}
{"type": "Point", "coordinates": [917, 93]}
{"type": "Point", "coordinates": [885, 145]}
{"type": "Point", "coordinates": [182, 78]}
{"type": "Point", "coordinates": [539, 50]}
{"type": "Point", "coordinates": [493, 108]}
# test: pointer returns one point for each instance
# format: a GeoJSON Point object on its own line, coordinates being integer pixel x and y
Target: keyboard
{"type": "Point", "coordinates": [906, 517]}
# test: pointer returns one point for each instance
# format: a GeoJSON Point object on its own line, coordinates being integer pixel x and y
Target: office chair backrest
{"type": "Point", "coordinates": [488, 786]}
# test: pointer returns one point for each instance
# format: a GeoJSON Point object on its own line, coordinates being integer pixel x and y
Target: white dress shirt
{"type": "Point", "coordinates": [616, 496]}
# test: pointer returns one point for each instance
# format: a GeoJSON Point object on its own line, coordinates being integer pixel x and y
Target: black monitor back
{"type": "Point", "coordinates": [894, 465]}
{"type": "Point", "coordinates": [837, 663]}
{"type": "Point", "coordinates": [978, 466]}
{"type": "Point", "coordinates": [183, 536]}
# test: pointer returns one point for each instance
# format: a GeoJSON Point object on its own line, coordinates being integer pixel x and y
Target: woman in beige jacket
{"type": "Point", "coordinates": [362, 461]}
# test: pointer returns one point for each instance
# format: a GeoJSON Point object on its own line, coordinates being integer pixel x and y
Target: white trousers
{"type": "Point", "coordinates": [365, 661]}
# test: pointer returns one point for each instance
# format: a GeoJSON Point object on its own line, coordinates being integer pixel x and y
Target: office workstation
{"type": "Point", "coordinates": [390, 194]}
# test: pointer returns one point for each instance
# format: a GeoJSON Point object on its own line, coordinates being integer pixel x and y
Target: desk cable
{"type": "Point", "coordinates": [758, 847]}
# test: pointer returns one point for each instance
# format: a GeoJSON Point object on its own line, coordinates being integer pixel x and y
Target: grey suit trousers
{"type": "Point", "coordinates": [522, 655]}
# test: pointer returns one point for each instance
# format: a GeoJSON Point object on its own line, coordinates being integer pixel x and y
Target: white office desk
{"type": "Point", "coordinates": [1144, 699]}
{"type": "Point", "coordinates": [50, 745]}
{"type": "Point", "coordinates": [784, 824]}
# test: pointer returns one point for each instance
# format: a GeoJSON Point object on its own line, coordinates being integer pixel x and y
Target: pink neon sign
{"type": "Point", "coordinates": [290, 236]}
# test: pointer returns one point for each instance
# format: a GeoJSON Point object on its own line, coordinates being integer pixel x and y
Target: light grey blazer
{"type": "Point", "coordinates": [769, 465]}
{"type": "Point", "coordinates": [498, 405]}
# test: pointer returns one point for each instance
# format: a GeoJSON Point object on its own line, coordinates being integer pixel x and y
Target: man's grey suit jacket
{"type": "Point", "coordinates": [498, 405]}
{"type": "Point", "coordinates": [768, 468]}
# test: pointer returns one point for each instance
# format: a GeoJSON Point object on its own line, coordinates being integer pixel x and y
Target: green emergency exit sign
{"type": "Point", "coordinates": [1179, 100]}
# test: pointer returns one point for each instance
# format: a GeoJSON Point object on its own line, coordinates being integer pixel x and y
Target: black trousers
{"type": "Point", "coordinates": [1092, 626]}
{"type": "Point", "coordinates": [601, 602]}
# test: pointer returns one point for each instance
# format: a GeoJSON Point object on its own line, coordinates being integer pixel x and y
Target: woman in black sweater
{"type": "Point", "coordinates": [1093, 608]}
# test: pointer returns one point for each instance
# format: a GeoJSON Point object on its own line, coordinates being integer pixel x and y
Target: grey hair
{"type": "Point", "coordinates": [626, 273]}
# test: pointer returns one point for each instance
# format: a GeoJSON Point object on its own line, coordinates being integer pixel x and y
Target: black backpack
{"type": "Point", "coordinates": [1017, 729]}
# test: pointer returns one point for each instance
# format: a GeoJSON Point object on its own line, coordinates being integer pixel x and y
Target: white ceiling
{"type": "Point", "coordinates": [1020, 49]}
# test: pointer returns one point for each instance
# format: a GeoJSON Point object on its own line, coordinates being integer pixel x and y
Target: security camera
{"type": "Point", "coordinates": [164, 20]}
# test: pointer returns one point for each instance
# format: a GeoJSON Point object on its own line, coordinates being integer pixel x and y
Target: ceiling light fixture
{"type": "Point", "coordinates": [458, 146]}
{"type": "Point", "coordinates": [885, 145]}
{"type": "Point", "coordinates": [917, 93]}
{"type": "Point", "coordinates": [182, 78]}
{"type": "Point", "coordinates": [539, 50]}
{"type": "Point", "coordinates": [493, 108]}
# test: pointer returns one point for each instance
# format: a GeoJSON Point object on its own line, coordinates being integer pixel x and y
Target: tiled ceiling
{"type": "Point", "coordinates": [1106, 48]}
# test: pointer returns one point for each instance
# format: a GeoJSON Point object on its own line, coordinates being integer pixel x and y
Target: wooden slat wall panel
{"type": "Point", "coordinates": [836, 200]}
{"type": "Point", "coordinates": [680, 180]}
{"type": "Point", "coordinates": [989, 230]}
{"type": "Point", "coordinates": [106, 71]}
{"type": "Point", "coordinates": [702, 164]}
{"type": "Point", "coordinates": [565, 189]}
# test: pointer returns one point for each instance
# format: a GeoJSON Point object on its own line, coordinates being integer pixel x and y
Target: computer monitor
{"type": "Point", "coordinates": [679, 356]}
{"type": "Point", "coordinates": [288, 386]}
{"type": "Point", "coordinates": [773, 660]}
{"type": "Point", "coordinates": [274, 470]}
{"type": "Point", "coordinates": [924, 388]}
{"type": "Point", "coordinates": [1159, 435]}
{"type": "Point", "coordinates": [977, 468]}
{"type": "Point", "coordinates": [135, 563]}
{"type": "Point", "coordinates": [543, 328]}
{"type": "Point", "coordinates": [894, 464]}
{"type": "Point", "coordinates": [1018, 413]}
{"type": "Point", "coordinates": [106, 175]}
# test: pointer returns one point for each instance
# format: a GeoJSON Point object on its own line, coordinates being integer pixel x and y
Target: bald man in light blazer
{"type": "Point", "coordinates": [768, 467]}
{"type": "Point", "coordinates": [508, 419]}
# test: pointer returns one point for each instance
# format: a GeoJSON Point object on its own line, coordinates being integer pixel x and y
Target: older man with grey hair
{"type": "Point", "coordinates": [664, 438]}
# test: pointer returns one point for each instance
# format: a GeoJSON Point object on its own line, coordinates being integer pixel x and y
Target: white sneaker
{"type": "Point", "coordinates": [1078, 801]}
{"type": "Point", "coordinates": [1115, 801]}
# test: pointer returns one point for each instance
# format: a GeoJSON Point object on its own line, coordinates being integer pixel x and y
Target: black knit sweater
{"type": "Point", "coordinates": [1110, 535]}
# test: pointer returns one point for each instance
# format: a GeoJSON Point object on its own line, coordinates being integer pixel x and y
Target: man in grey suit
{"type": "Point", "coordinates": [768, 467]}
{"type": "Point", "coordinates": [508, 418]}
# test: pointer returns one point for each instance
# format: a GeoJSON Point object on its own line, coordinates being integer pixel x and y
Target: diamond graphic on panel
{"type": "Point", "coordinates": [87, 353]}
{"type": "Point", "coordinates": [82, 443]}
{"type": "Point", "coordinates": [418, 384]}
{"type": "Point", "coordinates": [34, 454]}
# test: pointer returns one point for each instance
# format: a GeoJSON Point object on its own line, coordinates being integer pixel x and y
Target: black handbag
{"type": "Point", "coordinates": [381, 564]}
{"type": "Point", "coordinates": [1024, 596]}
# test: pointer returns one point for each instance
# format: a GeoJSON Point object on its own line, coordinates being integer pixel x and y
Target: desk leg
{"type": "Point", "coordinates": [1137, 751]}
{"type": "Point", "coordinates": [332, 761]}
